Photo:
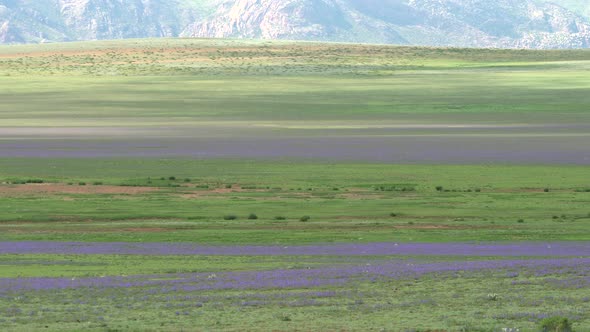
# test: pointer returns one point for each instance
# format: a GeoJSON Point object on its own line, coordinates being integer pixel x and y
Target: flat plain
{"type": "Point", "coordinates": [185, 184]}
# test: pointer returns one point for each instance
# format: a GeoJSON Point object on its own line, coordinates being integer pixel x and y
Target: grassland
{"type": "Point", "coordinates": [175, 81]}
{"type": "Point", "coordinates": [347, 202]}
{"type": "Point", "coordinates": [183, 141]}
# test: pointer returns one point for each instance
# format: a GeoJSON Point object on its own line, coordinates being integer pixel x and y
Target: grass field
{"type": "Point", "coordinates": [228, 185]}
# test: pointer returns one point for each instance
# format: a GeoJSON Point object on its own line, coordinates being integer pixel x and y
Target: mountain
{"type": "Point", "coordinates": [69, 20]}
{"type": "Point", "coordinates": [471, 23]}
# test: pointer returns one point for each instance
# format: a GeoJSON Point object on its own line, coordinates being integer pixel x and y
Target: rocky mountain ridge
{"type": "Point", "coordinates": [463, 23]}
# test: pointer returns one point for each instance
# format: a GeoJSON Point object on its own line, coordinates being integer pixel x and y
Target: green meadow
{"type": "Point", "coordinates": [142, 141]}
{"type": "Point", "coordinates": [345, 202]}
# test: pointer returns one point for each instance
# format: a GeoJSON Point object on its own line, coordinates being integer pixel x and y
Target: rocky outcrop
{"type": "Point", "coordinates": [108, 19]}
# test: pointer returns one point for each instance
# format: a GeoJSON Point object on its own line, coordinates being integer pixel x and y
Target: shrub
{"type": "Point", "coordinates": [280, 218]}
{"type": "Point", "coordinates": [249, 187]}
{"type": "Point", "coordinates": [393, 215]}
{"type": "Point", "coordinates": [230, 217]}
{"type": "Point", "coordinates": [520, 221]}
{"type": "Point", "coordinates": [252, 216]}
{"type": "Point", "coordinates": [81, 183]}
{"type": "Point", "coordinates": [439, 188]}
{"type": "Point", "coordinates": [546, 190]}
{"type": "Point", "coordinates": [172, 178]}
{"type": "Point", "coordinates": [305, 218]}
{"type": "Point", "coordinates": [228, 186]}
{"type": "Point", "coordinates": [556, 324]}
{"type": "Point", "coordinates": [187, 180]}
{"type": "Point", "coordinates": [285, 318]}
{"type": "Point", "coordinates": [97, 183]}
{"type": "Point", "coordinates": [477, 190]}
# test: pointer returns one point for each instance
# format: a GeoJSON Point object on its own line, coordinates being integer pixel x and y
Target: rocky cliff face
{"type": "Point", "coordinates": [483, 23]}
{"type": "Point", "coordinates": [64, 20]}
{"type": "Point", "coordinates": [478, 23]}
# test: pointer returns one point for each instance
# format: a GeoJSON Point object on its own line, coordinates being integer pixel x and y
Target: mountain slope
{"type": "Point", "coordinates": [64, 20]}
{"type": "Point", "coordinates": [502, 23]}
{"type": "Point", "coordinates": [472, 23]}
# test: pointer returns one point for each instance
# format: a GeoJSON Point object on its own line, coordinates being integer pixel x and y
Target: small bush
{"type": "Point", "coordinates": [230, 217]}
{"type": "Point", "coordinates": [285, 318]}
{"type": "Point", "coordinates": [280, 218]}
{"type": "Point", "coordinates": [81, 183]}
{"type": "Point", "coordinates": [477, 190]}
{"type": "Point", "coordinates": [187, 180]}
{"type": "Point", "coordinates": [228, 186]}
{"type": "Point", "coordinates": [546, 190]}
{"type": "Point", "coordinates": [305, 218]}
{"type": "Point", "coordinates": [556, 324]}
{"type": "Point", "coordinates": [172, 178]}
{"type": "Point", "coordinates": [252, 216]}
{"type": "Point", "coordinates": [393, 215]}
{"type": "Point", "coordinates": [520, 221]}
{"type": "Point", "coordinates": [439, 188]}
